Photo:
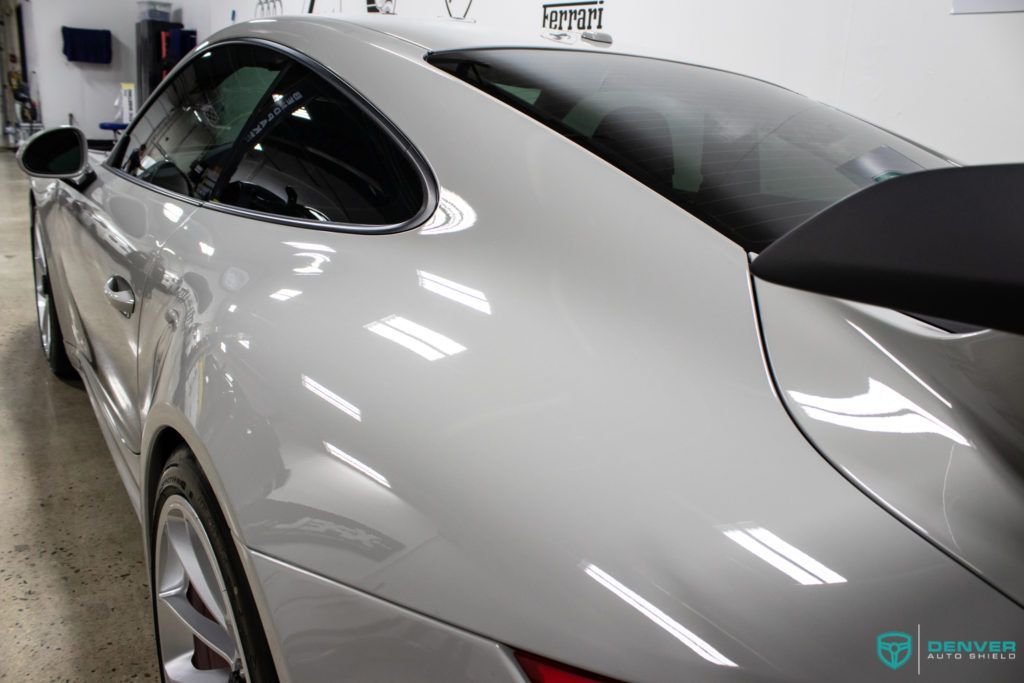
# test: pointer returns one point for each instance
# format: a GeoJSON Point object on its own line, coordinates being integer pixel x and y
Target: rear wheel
{"type": "Point", "coordinates": [207, 626]}
{"type": "Point", "coordinates": [50, 336]}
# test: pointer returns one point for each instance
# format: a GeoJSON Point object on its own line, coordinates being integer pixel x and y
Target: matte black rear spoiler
{"type": "Point", "coordinates": [947, 243]}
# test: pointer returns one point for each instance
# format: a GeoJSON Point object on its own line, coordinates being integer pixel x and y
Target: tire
{"type": "Point", "coordinates": [50, 336]}
{"type": "Point", "coordinates": [195, 565]}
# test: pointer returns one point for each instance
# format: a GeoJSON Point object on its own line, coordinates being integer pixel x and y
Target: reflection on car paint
{"type": "Point", "coordinates": [284, 294]}
{"type": "Point", "coordinates": [784, 556]}
{"type": "Point", "coordinates": [452, 215]}
{"type": "Point", "coordinates": [234, 278]}
{"type": "Point", "coordinates": [415, 337]}
{"type": "Point", "coordinates": [173, 212]}
{"type": "Point", "coordinates": [332, 398]}
{"type": "Point", "coordinates": [677, 630]}
{"type": "Point", "coordinates": [310, 246]}
{"type": "Point", "coordinates": [316, 260]}
{"type": "Point", "coordinates": [357, 465]}
{"type": "Point", "coordinates": [880, 409]}
{"type": "Point", "coordinates": [467, 296]}
{"type": "Point", "coordinates": [296, 521]}
{"type": "Point", "coordinates": [899, 363]}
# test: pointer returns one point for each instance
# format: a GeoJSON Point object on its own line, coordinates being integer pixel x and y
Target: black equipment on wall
{"type": "Point", "coordinates": [175, 43]}
{"type": "Point", "coordinates": [89, 45]}
{"type": "Point", "coordinates": [150, 54]}
{"type": "Point", "coordinates": [21, 44]}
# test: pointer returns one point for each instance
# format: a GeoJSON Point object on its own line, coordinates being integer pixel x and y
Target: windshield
{"type": "Point", "coordinates": [751, 159]}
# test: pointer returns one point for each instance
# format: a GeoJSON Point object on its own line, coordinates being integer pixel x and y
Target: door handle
{"type": "Point", "coordinates": [120, 295]}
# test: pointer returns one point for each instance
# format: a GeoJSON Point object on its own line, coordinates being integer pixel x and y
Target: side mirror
{"type": "Point", "coordinates": [947, 243]}
{"type": "Point", "coordinates": [55, 153]}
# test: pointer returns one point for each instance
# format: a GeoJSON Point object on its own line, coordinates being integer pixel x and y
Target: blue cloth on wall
{"type": "Point", "coordinates": [87, 45]}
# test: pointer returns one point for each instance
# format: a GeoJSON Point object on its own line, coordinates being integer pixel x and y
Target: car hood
{"type": "Point", "coordinates": [544, 417]}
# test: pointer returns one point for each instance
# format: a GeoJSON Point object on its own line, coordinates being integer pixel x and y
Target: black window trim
{"type": "Point", "coordinates": [424, 172]}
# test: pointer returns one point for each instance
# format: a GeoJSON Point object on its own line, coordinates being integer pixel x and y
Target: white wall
{"type": "Point", "coordinates": [955, 83]}
{"type": "Point", "coordinates": [87, 91]}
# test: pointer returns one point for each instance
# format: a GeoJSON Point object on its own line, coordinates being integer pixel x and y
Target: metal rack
{"type": "Point", "coordinates": [16, 128]}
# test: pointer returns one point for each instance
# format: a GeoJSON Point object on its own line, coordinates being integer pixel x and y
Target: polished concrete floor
{"type": "Point", "coordinates": [74, 601]}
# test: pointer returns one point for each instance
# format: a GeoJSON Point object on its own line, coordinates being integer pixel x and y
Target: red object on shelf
{"type": "Point", "coordinates": [164, 37]}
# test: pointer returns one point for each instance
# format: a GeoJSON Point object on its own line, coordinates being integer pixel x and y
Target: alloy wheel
{"type": "Point", "coordinates": [199, 640]}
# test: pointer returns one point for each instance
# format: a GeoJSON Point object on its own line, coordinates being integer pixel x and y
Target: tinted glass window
{"type": "Point", "coordinates": [751, 159]}
{"type": "Point", "coordinates": [311, 152]}
{"type": "Point", "coordinates": [183, 138]}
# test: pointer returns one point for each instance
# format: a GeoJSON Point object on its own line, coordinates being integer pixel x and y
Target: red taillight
{"type": "Point", "coordinates": [541, 670]}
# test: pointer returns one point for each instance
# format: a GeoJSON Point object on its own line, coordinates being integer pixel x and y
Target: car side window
{"type": "Point", "coordinates": [183, 138]}
{"type": "Point", "coordinates": [312, 152]}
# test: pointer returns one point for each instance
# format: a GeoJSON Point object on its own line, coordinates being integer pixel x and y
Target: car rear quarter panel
{"type": "Point", "coordinates": [925, 421]}
{"type": "Point", "coordinates": [597, 402]}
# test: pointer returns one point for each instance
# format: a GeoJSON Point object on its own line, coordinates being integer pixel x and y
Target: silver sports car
{"type": "Point", "coordinates": [430, 355]}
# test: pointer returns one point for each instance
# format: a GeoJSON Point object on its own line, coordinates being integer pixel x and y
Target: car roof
{"type": "Point", "coordinates": [443, 33]}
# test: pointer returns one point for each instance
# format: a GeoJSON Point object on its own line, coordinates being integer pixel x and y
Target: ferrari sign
{"type": "Point", "coordinates": [573, 16]}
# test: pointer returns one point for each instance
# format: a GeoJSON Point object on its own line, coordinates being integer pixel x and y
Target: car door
{"type": "Point", "coordinates": [119, 222]}
{"type": "Point", "coordinates": [112, 231]}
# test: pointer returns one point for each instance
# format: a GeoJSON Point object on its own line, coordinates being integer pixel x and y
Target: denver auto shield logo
{"type": "Point", "coordinates": [894, 648]}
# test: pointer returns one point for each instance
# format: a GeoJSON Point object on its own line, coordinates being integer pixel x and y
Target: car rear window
{"type": "Point", "coordinates": [751, 159]}
{"type": "Point", "coordinates": [311, 152]}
